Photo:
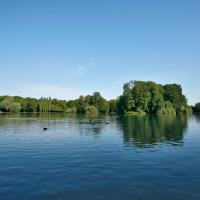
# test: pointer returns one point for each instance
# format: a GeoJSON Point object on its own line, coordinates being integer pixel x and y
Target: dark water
{"type": "Point", "coordinates": [129, 158]}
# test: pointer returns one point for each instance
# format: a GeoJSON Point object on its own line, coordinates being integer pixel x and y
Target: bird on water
{"type": "Point", "coordinates": [45, 129]}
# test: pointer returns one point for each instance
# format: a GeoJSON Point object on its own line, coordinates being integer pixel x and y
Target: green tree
{"type": "Point", "coordinates": [150, 97]}
{"type": "Point", "coordinates": [91, 110]}
{"type": "Point", "coordinates": [103, 106]}
{"type": "Point", "coordinates": [167, 108]}
{"type": "Point", "coordinates": [9, 105]}
{"type": "Point", "coordinates": [196, 108]}
{"type": "Point", "coordinates": [88, 99]}
{"type": "Point", "coordinates": [100, 103]}
{"type": "Point", "coordinates": [173, 94]}
{"type": "Point", "coordinates": [45, 105]}
{"type": "Point", "coordinates": [95, 98]}
{"type": "Point", "coordinates": [139, 97]}
{"type": "Point", "coordinates": [81, 105]}
{"type": "Point", "coordinates": [71, 106]}
{"type": "Point", "coordinates": [112, 105]}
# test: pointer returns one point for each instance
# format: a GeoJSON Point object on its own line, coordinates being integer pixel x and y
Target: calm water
{"type": "Point", "coordinates": [129, 158]}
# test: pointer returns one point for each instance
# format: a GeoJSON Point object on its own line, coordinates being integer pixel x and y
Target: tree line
{"type": "Point", "coordinates": [139, 97]}
{"type": "Point", "coordinates": [90, 104]}
{"type": "Point", "coordinates": [149, 97]}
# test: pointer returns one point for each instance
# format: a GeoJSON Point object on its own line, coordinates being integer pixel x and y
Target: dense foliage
{"type": "Point", "coordinates": [196, 108]}
{"type": "Point", "coordinates": [138, 97]}
{"type": "Point", "coordinates": [149, 97]}
{"type": "Point", "coordinates": [10, 105]}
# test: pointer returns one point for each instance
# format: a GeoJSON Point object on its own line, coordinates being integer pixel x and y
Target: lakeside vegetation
{"type": "Point", "coordinates": [196, 108]}
{"type": "Point", "coordinates": [138, 98]}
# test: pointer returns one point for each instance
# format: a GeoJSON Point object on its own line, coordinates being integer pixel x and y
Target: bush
{"type": "Point", "coordinates": [167, 108]}
{"type": "Point", "coordinates": [71, 110]}
{"type": "Point", "coordinates": [185, 109]}
{"type": "Point", "coordinates": [91, 110]}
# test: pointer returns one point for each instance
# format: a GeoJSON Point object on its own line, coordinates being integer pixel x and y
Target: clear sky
{"type": "Point", "coordinates": [67, 48]}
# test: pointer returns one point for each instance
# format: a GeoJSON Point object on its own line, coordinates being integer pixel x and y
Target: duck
{"type": "Point", "coordinates": [45, 129]}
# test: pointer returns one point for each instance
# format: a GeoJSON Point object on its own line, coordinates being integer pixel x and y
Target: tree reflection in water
{"type": "Point", "coordinates": [138, 131]}
{"type": "Point", "coordinates": [151, 130]}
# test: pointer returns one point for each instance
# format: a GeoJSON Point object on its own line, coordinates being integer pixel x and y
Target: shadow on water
{"type": "Point", "coordinates": [146, 131]}
{"type": "Point", "coordinates": [197, 117]}
{"type": "Point", "coordinates": [151, 130]}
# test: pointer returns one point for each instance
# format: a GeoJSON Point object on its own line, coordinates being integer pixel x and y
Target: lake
{"type": "Point", "coordinates": [108, 157]}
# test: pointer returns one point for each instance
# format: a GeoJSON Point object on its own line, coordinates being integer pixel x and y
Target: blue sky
{"type": "Point", "coordinates": [67, 48]}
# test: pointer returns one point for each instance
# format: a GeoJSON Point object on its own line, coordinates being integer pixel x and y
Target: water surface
{"type": "Point", "coordinates": [110, 157]}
